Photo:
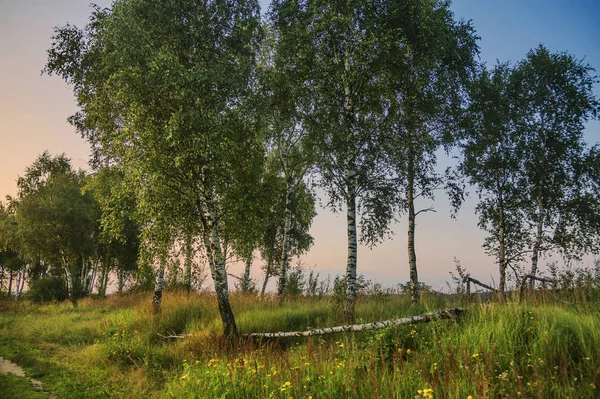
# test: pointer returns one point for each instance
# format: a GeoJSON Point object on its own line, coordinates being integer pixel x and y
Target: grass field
{"type": "Point", "coordinates": [548, 346]}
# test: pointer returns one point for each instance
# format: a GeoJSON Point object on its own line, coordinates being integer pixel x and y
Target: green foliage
{"type": "Point", "coordinates": [47, 289]}
{"type": "Point", "coordinates": [527, 157]}
{"type": "Point", "coordinates": [123, 346]}
{"type": "Point", "coordinates": [164, 90]}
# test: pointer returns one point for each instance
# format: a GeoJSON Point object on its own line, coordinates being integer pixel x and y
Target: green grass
{"type": "Point", "coordinates": [15, 387]}
{"type": "Point", "coordinates": [545, 347]}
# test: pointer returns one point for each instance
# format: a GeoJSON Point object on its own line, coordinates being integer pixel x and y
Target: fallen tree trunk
{"type": "Point", "coordinates": [541, 279]}
{"type": "Point", "coordinates": [532, 277]}
{"type": "Point", "coordinates": [479, 283]}
{"type": "Point", "coordinates": [449, 313]}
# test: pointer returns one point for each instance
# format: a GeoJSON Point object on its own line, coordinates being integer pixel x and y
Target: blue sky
{"type": "Point", "coordinates": [34, 109]}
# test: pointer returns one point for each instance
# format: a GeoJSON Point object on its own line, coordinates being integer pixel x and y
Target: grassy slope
{"type": "Point", "coordinates": [111, 349]}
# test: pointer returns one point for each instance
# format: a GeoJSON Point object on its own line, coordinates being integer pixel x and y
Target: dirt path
{"type": "Point", "coordinates": [8, 367]}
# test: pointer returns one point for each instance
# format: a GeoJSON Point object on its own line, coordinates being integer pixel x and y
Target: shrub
{"type": "Point", "coordinates": [47, 289]}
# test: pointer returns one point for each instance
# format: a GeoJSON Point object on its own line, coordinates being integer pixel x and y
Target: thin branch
{"type": "Point", "coordinates": [236, 277]}
{"type": "Point", "coordinates": [174, 336]}
{"type": "Point", "coordinates": [430, 209]}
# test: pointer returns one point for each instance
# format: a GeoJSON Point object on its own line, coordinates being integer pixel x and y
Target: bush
{"type": "Point", "coordinates": [47, 289]}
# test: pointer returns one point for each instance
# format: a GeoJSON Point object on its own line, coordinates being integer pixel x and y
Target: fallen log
{"type": "Point", "coordinates": [479, 283]}
{"type": "Point", "coordinates": [542, 279]}
{"type": "Point", "coordinates": [532, 278]}
{"type": "Point", "coordinates": [449, 313]}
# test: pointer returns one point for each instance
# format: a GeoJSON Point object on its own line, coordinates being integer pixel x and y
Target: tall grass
{"type": "Point", "coordinates": [544, 347]}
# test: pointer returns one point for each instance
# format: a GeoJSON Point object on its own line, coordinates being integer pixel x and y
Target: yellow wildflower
{"type": "Point", "coordinates": [286, 385]}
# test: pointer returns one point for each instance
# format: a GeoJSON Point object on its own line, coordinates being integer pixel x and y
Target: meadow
{"type": "Point", "coordinates": [546, 345]}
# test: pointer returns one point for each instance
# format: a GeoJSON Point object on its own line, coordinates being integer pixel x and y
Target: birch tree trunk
{"type": "Point", "coordinates": [106, 278]}
{"type": "Point", "coordinates": [538, 242]}
{"type": "Point", "coordinates": [83, 277]}
{"type": "Point", "coordinates": [10, 281]}
{"type": "Point", "coordinates": [121, 280]}
{"type": "Point", "coordinates": [268, 272]}
{"type": "Point", "coordinates": [103, 282]}
{"type": "Point", "coordinates": [2, 272]}
{"type": "Point", "coordinates": [189, 257]}
{"type": "Point", "coordinates": [502, 255]}
{"type": "Point", "coordinates": [159, 285]}
{"type": "Point", "coordinates": [246, 278]}
{"type": "Point", "coordinates": [412, 255]}
{"type": "Point", "coordinates": [351, 182]}
{"type": "Point", "coordinates": [92, 280]}
{"type": "Point", "coordinates": [22, 286]}
{"type": "Point", "coordinates": [286, 239]}
{"type": "Point", "coordinates": [501, 236]}
{"type": "Point", "coordinates": [216, 261]}
{"type": "Point", "coordinates": [70, 287]}
{"type": "Point", "coordinates": [18, 283]}
{"type": "Point", "coordinates": [352, 248]}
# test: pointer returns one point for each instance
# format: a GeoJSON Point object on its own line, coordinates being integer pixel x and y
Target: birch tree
{"type": "Point", "coordinates": [162, 88]}
{"type": "Point", "coordinates": [119, 236]}
{"type": "Point", "coordinates": [492, 163]}
{"type": "Point", "coordinates": [336, 51]}
{"type": "Point", "coordinates": [288, 216]}
{"type": "Point", "coordinates": [556, 100]}
{"type": "Point", "coordinates": [429, 68]}
{"type": "Point", "coordinates": [290, 155]}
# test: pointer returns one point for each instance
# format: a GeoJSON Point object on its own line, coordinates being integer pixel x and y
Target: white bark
{"type": "Point", "coordinates": [351, 182]}
{"type": "Point", "coordinates": [286, 240]}
{"type": "Point", "coordinates": [352, 249]}
{"type": "Point", "coordinates": [412, 254]}
{"type": "Point", "coordinates": [216, 261]}
{"type": "Point", "coordinates": [246, 279]}
{"type": "Point", "coordinates": [538, 241]}
{"type": "Point", "coordinates": [70, 290]}
{"type": "Point", "coordinates": [448, 313]}
{"type": "Point", "coordinates": [159, 286]}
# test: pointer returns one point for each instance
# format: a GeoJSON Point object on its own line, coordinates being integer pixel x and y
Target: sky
{"type": "Point", "coordinates": [34, 109]}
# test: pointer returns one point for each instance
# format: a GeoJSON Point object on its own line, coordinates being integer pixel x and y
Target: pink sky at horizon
{"type": "Point", "coordinates": [34, 110]}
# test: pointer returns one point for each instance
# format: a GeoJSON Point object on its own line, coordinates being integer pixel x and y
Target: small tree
{"type": "Point", "coordinates": [119, 236]}
{"type": "Point", "coordinates": [56, 220]}
{"type": "Point", "coordinates": [492, 162]}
